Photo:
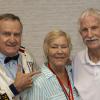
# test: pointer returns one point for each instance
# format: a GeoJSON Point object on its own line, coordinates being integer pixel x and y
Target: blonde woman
{"type": "Point", "coordinates": [55, 81]}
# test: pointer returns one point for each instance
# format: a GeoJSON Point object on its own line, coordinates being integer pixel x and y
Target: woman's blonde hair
{"type": "Point", "coordinates": [52, 36]}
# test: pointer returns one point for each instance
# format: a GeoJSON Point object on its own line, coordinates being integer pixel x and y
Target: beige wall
{"type": "Point", "coordinates": [41, 16]}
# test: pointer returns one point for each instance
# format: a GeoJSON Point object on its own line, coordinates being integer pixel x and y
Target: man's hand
{"type": "Point", "coordinates": [23, 80]}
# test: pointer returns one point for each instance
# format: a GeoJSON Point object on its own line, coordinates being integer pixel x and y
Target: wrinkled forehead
{"type": "Point", "coordinates": [89, 15]}
{"type": "Point", "coordinates": [10, 25]}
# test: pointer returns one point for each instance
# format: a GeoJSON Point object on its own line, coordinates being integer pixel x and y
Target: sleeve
{"type": "Point", "coordinates": [5, 91]}
{"type": "Point", "coordinates": [9, 93]}
{"type": "Point", "coordinates": [36, 92]}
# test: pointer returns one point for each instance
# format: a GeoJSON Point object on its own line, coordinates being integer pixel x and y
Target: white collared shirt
{"type": "Point", "coordinates": [86, 76]}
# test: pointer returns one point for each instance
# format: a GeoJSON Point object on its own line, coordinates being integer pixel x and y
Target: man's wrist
{"type": "Point", "coordinates": [13, 89]}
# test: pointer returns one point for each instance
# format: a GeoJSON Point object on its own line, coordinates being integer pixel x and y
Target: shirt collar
{"type": "Point", "coordinates": [88, 61]}
{"type": "Point", "coordinates": [2, 57]}
{"type": "Point", "coordinates": [47, 72]}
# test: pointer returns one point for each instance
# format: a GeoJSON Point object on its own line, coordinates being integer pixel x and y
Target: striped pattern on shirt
{"type": "Point", "coordinates": [47, 87]}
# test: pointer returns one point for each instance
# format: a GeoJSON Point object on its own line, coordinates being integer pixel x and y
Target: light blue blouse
{"type": "Point", "coordinates": [46, 86]}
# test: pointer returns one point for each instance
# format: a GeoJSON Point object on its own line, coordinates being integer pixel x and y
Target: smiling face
{"type": "Point", "coordinates": [10, 37]}
{"type": "Point", "coordinates": [90, 31]}
{"type": "Point", "coordinates": [58, 52]}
